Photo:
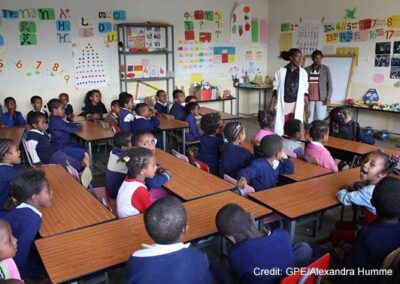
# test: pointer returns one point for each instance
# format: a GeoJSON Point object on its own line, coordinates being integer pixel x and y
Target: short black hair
{"type": "Point", "coordinates": [137, 135]}
{"type": "Point", "coordinates": [316, 53]}
{"type": "Point", "coordinates": [386, 198]}
{"type": "Point", "coordinates": [139, 158]}
{"type": "Point", "coordinates": [292, 126]}
{"type": "Point", "coordinates": [5, 147]}
{"type": "Point", "coordinates": [191, 106]}
{"type": "Point", "coordinates": [53, 104]}
{"type": "Point", "coordinates": [124, 98]}
{"type": "Point", "coordinates": [114, 103]}
{"type": "Point", "coordinates": [140, 108]}
{"type": "Point", "coordinates": [34, 117]}
{"type": "Point", "coordinates": [188, 98]}
{"type": "Point", "coordinates": [122, 138]}
{"type": "Point", "coordinates": [176, 92]}
{"type": "Point", "coordinates": [165, 220]}
{"type": "Point", "coordinates": [63, 95]}
{"type": "Point", "coordinates": [209, 123]}
{"type": "Point", "coordinates": [233, 220]}
{"type": "Point", "coordinates": [271, 145]}
{"type": "Point", "coordinates": [35, 98]}
{"type": "Point", "coordinates": [8, 99]}
{"type": "Point", "coordinates": [389, 161]}
{"type": "Point", "coordinates": [265, 118]}
{"type": "Point", "coordinates": [318, 129]}
{"type": "Point", "coordinates": [232, 130]}
{"type": "Point", "coordinates": [158, 93]}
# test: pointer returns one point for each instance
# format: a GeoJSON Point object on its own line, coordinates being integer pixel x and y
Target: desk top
{"type": "Point", "coordinates": [85, 251]}
{"type": "Point", "coordinates": [302, 198]}
{"type": "Point", "coordinates": [169, 124]}
{"type": "Point", "coordinates": [15, 133]}
{"type": "Point", "coordinates": [224, 115]}
{"type": "Point", "coordinates": [73, 207]}
{"type": "Point", "coordinates": [189, 182]}
{"type": "Point", "coordinates": [92, 132]}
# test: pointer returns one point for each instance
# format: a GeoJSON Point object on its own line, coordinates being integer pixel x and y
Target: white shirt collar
{"type": "Point", "coordinates": [163, 104]}
{"type": "Point", "coordinates": [317, 144]}
{"type": "Point", "coordinates": [37, 131]}
{"type": "Point", "coordinates": [26, 205]}
{"type": "Point", "coordinates": [157, 249]}
{"type": "Point", "coordinates": [139, 116]}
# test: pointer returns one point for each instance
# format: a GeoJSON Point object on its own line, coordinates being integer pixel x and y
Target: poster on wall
{"type": "Point", "coordinates": [241, 24]}
{"type": "Point", "coordinates": [194, 56]}
{"type": "Point", "coordinates": [309, 36]}
{"type": "Point", "coordinates": [395, 67]}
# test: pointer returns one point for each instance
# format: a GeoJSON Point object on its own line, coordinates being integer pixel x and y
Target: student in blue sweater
{"type": "Point", "coordinates": [178, 107]}
{"type": "Point", "coordinates": [126, 117]}
{"type": "Point", "coordinates": [161, 105]}
{"type": "Point", "coordinates": [10, 164]}
{"type": "Point", "coordinates": [37, 104]}
{"type": "Point", "coordinates": [68, 109]}
{"type": "Point", "coordinates": [145, 120]}
{"type": "Point", "coordinates": [61, 131]}
{"type": "Point", "coordinates": [192, 110]}
{"type": "Point", "coordinates": [380, 238]}
{"type": "Point", "coordinates": [263, 172]}
{"type": "Point", "coordinates": [40, 149]}
{"type": "Point", "coordinates": [254, 251]}
{"type": "Point", "coordinates": [30, 191]}
{"type": "Point", "coordinates": [234, 157]}
{"type": "Point", "coordinates": [211, 141]}
{"type": "Point", "coordinates": [168, 260]}
{"type": "Point", "coordinates": [12, 117]}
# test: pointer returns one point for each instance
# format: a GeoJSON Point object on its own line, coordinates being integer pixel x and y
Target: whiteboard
{"type": "Point", "coordinates": [341, 68]}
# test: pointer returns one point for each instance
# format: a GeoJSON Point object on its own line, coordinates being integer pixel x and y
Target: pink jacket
{"type": "Point", "coordinates": [321, 154]}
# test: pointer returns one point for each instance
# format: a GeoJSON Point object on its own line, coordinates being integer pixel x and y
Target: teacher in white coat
{"type": "Point", "coordinates": [290, 92]}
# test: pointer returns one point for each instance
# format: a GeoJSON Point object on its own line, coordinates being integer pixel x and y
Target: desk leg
{"type": "Point", "coordinates": [164, 140]}
{"type": "Point", "coordinates": [223, 106]}
{"type": "Point", "coordinates": [231, 106]}
{"type": "Point", "coordinates": [292, 230]}
{"type": "Point", "coordinates": [183, 141]}
{"type": "Point", "coordinates": [89, 145]}
{"type": "Point", "coordinates": [237, 101]}
{"type": "Point", "coordinates": [265, 99]}
{"type": "Point", "coordinates": [259, 99]}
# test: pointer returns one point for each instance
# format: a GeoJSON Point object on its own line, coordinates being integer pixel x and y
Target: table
{"type": "Point", "coordinates": [189, 182]}
{"type": "Point", "coordinates": [306, 197]}
{"type": "Point", "coordinates": [253, 88]}
{"type": "Point", "coordinates": [15, 133]}
{"type": "Point", "coordinates": [78, 253]}
{"type": "Point", "coordinates": [73, 206]}
{"type": "Point", "coordinates": [224, 115]}
{"type": "Point", "coordinates": [223, 100]}
{"type": "Point", "coordinates": [173, 124]}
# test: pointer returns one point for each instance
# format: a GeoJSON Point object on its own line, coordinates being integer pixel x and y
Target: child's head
{"type": "Point", "coordinates": [10, 103]}
{"type": "Point", "coordinates": [30, 186]}
{"type": "Point", "coordinates": [179, 96]}
{"type": "Point", "coordinates": [161, 96]}
{"type": "Point", "coordinates": [234, 131]}
{"type": "Point", "coordinates": [9, 153]}
{"type": "Point", "coordinates": [294, 128]}
{"type": "Point", "coordinates": [165, 220]}
{"type": "Point", "coordinates": [265, 119]}
{"type": "Point", "coordinates": [190, 99]}
{"type": "Point", "coordinates": [319, 131]}
{"type": "Point", "coordinates": [37, 120]}
{"type": "Point", "coordinates": [64, 98]}
{"type": "Point", "coordinates": [37, 103]}
{"type": "Point", "coordinates": [141, 163]}
{"type": "Point", "coordinates": [142, 109]}
{"type": "Point", "coordinates": [271, 146]}
{"type": "Point", "coordinates": [8, 243]}
{"type": "Point", "coordinates": [93, 97]}
{"type": "Point", "coordinates": [115, 107]}
{"type": "Point", "coordinates": [55, 107]}
{"type": "Point", "coordinates": [234, 223]}
{"type": "Point", "coordinates": [317, 56]}
{"type": "Point", "coordinates": [340, 115]}
{"type": "Point", "coordinates": [122, 140]}
{"type": "Point", "coordinates": [376, 165]}
{"type": "Point", "coordinates": [126, 100]}
{"type": "Point", "coordinates": [386, 198]}
{"type": "Point", "coordinates": [144, 139]}
{"type": "Point", "coordinates": [210, 123]}
{"type": "Point", "coordinates": [192, 108]}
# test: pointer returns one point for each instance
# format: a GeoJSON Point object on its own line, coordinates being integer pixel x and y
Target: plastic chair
{"type": "Point", "coordinates": [26, 152]}
{"type": "Point", "coordinates": [180, 156]}
{"type": "Point", "coordinates": [241, 191]}
{"type": "Point", "coordinates": [312, 275]}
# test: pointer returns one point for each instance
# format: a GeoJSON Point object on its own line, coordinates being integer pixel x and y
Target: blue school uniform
{"type": "Point", "coordinates": [157, 181]}
{"type": "Point", "coordinates": [25, 221]}
{"type": "Point", "coordinates": [161, 108]}
{"type": "Point", "coordinates": [16, 120]}
{"type": "Point", "coordinates": [100, 108]}
{"type": "Point", "coordinates": [8, 173]}
{"type": "Point", "coordinates": [68, 110]}
{"type": "Point", "coordinates": [144, 124]}
{"type": "Point", "coordinates": [126, 119]}
{"type": "Point", "coordinates": [193, 134]}
{"type": "Point", "coordinates": [261, 175]}
{"type": "Point", "coordinates": [233, 159]}
{"type": "Point", "coordinates": [209, 152]}
{"type": "Point", "coordinates": [178, 111]}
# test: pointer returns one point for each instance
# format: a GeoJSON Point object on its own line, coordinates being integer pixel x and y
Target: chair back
{"type": "Point", "coordinates": [28, 156]}
{"type": "Point", "coordinates": [180, 156]}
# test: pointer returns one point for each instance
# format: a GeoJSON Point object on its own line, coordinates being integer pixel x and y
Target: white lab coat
{"type": "Point", "coordinates": [279, 86]}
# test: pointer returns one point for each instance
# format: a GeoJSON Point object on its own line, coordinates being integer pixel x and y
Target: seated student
{"type": "Point", "coordinates": [29, 192]}
{"type": "Point", "coordinates": [10, 164]}
{"type": "Point", "coordinates": [319, 133]}
{"type": "Point", "coordinates": [112, 117]}
{"type": "Point", "coordinates": [8, 249]}
{"type": "Point", "coordinates": [145, 120]}
{"type": "Point", "coordinates": [253, 250]}
{"type": "Point", "coordinates": [133, 197]}
{"type": "Point", "coordinates": [234, 157]}
{"type": "Point", "coordinates": [126, 117]}
{"type": "Point", "coordinates": [192, 110]}
{"type": "Point", "coordinates": [94, 108]}
{"type": "Point", "coordinates": [12, 117]}
{"type": "Point", "coordinates": [68, 109]}
{"type": "Point", "coordinates": [380, 238]}
{"type": "Point", "coordinates": [178, 107]}
{"type": "Point", "coordinates": [61, 131]}
{"type": "Point", "coordinates": [40, 149]}
{"type": "Point", "coordinates": [265, 121]}
{"type": "Point", "coordinates": [292, 146]}
{"type": "Point", "coordinates": [168, 260]}
{"type": "Point", "coordinates": [191, 99]}
{"type": "Point", "coordinates": [37, 105]}
{"type": "Point", "coordinates": [211, 141]}
{"type": "Point", "coordinates": [263, 172]}
{"type": "Point", "coordinates": [161, 105]}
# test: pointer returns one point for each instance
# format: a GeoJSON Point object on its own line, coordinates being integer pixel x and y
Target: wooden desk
{"type": "Point", "coordinates": [224, 115]}
{"type": "Point", "coordinates": [73, 206]}
{"type": "Point", "coordinates": [173, 124]}
{"type": "Point", "coordinates": [15, 133]}
{"type": "Point", "coordinates": [189, 182]}
{"type": "Point", "coordinates": [78, 253]}
{"type": "Point", "coordinates": [252, 87]}
{"type": "Point", "coordinates": [306, 197]}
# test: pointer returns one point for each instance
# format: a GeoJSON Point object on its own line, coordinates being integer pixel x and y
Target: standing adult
{"type": "Point", "coordinates": [319, 87]}
{"type": "Point", "coordinates": [290, 92]}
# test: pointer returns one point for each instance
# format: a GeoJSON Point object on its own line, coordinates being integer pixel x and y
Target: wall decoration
{"type": "Point", "coordinates": [285, 41]}
{"type": "Point", "coordinates": [224, 54]}
{"type": "Point", "coordinates": [194, 56]}
{"type": "Point", "coordinates": [241, 24]}
{"type": "Point", "coordinates": [378, 78]}
{"type": "Point", "coordinates": [350, 14]}
{"type": "Point", "coordinates": [206, 24]}
{"type": "Point", "coordinates": [309, 36]}
{"type": "Point", "coordinates": [382, 60]}
{"type": "Point", "coordinates": [382, 47]}
{"type": "Point", "coordinates": [254, 30]}
{"type": "Point", "coordinates": [396, 47]}
{"type": "Point", "coordinates": [263, 31]}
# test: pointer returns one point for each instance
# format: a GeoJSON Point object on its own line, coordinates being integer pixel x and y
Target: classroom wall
{"type": "Point", "coordinates": [280, 11]}
{"type": "Point", "coordinates": [15, 81]}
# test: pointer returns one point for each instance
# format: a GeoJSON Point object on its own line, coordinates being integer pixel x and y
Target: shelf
{"type": "Point", "coordinates": [147, 79]}
{"type": "Point", "coordinates": [144, 52]}
{"type": "Point", "coordinates": [218, 100]}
